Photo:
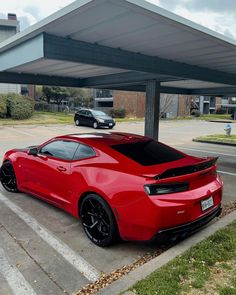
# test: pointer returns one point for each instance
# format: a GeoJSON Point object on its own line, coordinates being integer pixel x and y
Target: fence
{"type": "Point", "coordinates": [44, 107]}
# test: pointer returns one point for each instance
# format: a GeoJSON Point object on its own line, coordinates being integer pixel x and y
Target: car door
{"type": "Point", "coordinates": [48, 173]}
{"type": "Point", "coordinates": [89, 118]}
{"type": "Point", "coordinates": [82, 117]}
{"type": "Point", "coordinates": [81, 168]}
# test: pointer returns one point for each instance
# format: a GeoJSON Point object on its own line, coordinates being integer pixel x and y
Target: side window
{"type": "Point", "coordinates": [61, 149]}
{"type": "Point", "coordinates": [84, 152]}
{"type": "Point", "coordinates": [89, 114]}
{"type": "Point", "coordinates": [81, 113]}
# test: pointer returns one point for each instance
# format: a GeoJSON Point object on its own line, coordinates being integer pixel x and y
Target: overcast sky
{"type": "Point", "coordinates": [219, 15]}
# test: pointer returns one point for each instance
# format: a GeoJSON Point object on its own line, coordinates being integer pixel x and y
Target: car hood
{"type": "Point", "coordinates": [104, 117]}
{"type": "Point", "coordinates": [26, 149]}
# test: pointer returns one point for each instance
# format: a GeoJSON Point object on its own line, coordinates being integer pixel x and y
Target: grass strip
{"type": "Point", "coordinates": [192, 270]}
{"type": "Point", "coordinates": [44, 118]}
{"type": "Point", "coordinates": [218, 138]}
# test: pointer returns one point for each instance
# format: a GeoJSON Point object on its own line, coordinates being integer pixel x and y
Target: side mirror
{"type": "Point", "coordinates": [33, 152]}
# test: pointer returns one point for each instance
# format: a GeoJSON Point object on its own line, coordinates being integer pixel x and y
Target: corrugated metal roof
{"type": "Point", "coordinates": [136, 26]}
{"type": "Point", "coordinates": [64, 69]}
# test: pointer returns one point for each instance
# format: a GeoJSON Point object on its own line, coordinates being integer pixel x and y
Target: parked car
{"type": "Point", "coordinates": [93, 118]}
{"type": "Point", "coordinates": [118, 184]}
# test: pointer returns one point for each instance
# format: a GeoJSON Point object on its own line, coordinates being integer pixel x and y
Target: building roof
{"type": "Point", "coordinates": [9, 23]}
{"type": "Point", "coordinates": [147, 38]}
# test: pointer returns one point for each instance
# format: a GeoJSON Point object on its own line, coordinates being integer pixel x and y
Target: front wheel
{"type": "Point", "coordinates": [98, 221]}
{"type": "Point", "coordinates": [95, 125]}
{"type": "Point", "coordinates": [8, 177]}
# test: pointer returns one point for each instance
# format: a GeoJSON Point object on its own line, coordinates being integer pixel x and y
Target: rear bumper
{"type": "Point", "coordinates": [186, 229]}
{"type": "Point", "coordinates": [165, 215]}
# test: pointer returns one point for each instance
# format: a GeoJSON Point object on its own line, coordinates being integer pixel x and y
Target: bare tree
{"type": "Point", "coordinates": [166, 101]}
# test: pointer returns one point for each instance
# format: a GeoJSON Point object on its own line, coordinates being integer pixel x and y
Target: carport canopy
{"type": "Point", "coordinates": [122, 44]}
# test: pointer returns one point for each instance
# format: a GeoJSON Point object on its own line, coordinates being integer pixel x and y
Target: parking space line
{"type": "Point", "coordinates": [209, 152]}
{"type": "Point", "coordinates": [227, 173]}
{"type": "Point", "coordinates": [68, 254]}
{"type": "Point", "coordinates": [14, 277]}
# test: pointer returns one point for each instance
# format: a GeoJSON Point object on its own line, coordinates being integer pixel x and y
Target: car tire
{"type": "Point", "coordinates": [98, 221]}
{"type": "Point", "coordinates": [77, 122]}
{"type": "Point", "coordinates": [8, 177]}
{"type": "Point", "coordinates": [110, 127]}
{"type": "Point", "coordinates": [95, 125]}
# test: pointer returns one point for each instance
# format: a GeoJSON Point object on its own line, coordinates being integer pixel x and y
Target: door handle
{"type": "Point", "coordinates": [61, 168]}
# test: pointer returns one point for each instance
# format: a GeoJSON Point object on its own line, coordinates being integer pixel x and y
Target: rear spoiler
{"type": "Point", "coordinates": [187, 169]}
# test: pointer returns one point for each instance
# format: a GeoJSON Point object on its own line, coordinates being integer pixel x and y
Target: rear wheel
{"type": "Point", "coordinates": [98, 221]}
{"type": "Point", "coordinates": [77, 122]}
{"type": "Point", "coordinates": [8, 177]}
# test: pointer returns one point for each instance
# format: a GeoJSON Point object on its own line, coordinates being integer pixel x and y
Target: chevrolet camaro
{"type": "Point", "coordinates": [118, 184]}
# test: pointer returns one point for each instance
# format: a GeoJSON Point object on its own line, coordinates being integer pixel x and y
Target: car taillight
{"type": "Point", "coordinates": [166, 188]}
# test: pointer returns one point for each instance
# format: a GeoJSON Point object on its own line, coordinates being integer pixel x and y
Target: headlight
{"type": "Point", "coordinates": [100, 120]}
{"type": "Point", "coordinates": [168, 188]}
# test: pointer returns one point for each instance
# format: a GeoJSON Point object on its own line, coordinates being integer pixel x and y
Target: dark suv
{"type": "Point", "coordinates": [93, 118]}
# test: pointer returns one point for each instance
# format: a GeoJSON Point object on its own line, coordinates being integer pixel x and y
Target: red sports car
{"type": "Point", "coordinates": [118, 184]}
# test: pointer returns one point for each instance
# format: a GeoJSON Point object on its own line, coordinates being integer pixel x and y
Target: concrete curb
{"type": "Point", "coordinates": [215, 142]}
{"type": "Point", "coordinates": [222, 121]}
{"type": "Point", "coordinates": [140, 273]}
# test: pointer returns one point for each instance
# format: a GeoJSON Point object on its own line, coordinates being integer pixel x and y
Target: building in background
{"type": "Point", "coordinates": [134, 104]}
{"type": "Point", "coordinates": [171, 105]}
{"type": "Point", "coordinates": [8, 28]}
{"type": "Point", "coordinates": [28, 90]}
{"type": "Point", "coordinates": [204, 104]}
{"type": "Point", "coordinates": [228, 105]}
{"type": "Point", "coordinates": [103, 98]}
{"type": "Point", "coordinates": [208, 104]}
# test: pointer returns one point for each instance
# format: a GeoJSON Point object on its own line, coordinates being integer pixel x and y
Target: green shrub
{"type": "Point", "coordinates": [19, 107]}
{"type": "Point", "coordinates": [118, 113]}
{"type": "Point", "coordinates": [3, 106]}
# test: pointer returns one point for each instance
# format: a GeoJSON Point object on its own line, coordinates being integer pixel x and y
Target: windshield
{"type": "Point", "coordinates": [98, 113]}
{"type": "Point", "coordinates": [148, 152]}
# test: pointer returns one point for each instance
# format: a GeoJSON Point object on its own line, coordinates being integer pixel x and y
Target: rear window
{"type": "Point", "coordinates": [148, 152]}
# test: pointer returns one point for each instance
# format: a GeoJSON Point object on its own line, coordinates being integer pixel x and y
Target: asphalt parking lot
{"type": "Point", "coordinates": [43, 250]}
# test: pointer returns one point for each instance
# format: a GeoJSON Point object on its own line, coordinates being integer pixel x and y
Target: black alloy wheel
{"type": "Point", "coordinates": [8, 177]}
{"type": "Point", "coordinates": [98, 221]}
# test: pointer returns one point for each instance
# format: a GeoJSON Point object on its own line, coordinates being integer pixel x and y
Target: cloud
{"type": "Point", "coordinates": [199, 5]}
{"type": "Point", "coordinates": [25, 22]}
{"type": "Point", "coordinates": [217, 15]}
{"type": "Point", "coordinates": [34, 11]}
{"type": "Point", "coordinates": [228, 6]}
